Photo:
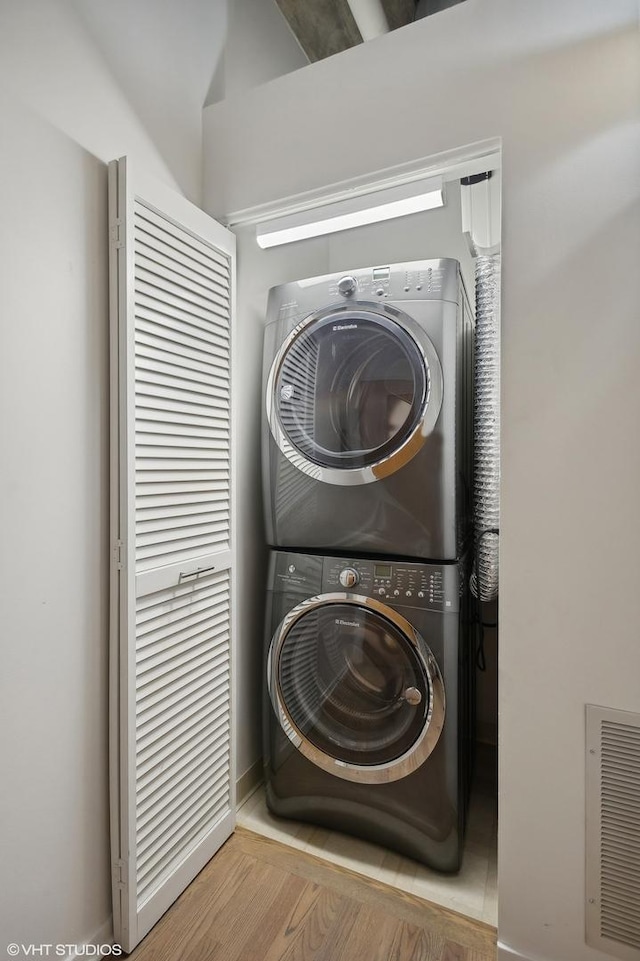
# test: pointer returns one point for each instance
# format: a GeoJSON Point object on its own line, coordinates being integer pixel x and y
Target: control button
{"type": "Point", "coordinates": [381, 590]}
{"type": "Point", "coordinates": [380, 291]}
{"type": "Point", "coordinates": [349, 577]}
{"type": "Point", "coordinates": [420, 593]}
{"type": "Point", "coordinates": [347, 286]}
{"type": "Point", "coordinates": [407, 289]}
{"type": "Point", "coordinates": [409, 593]}
{"type": "Point", "coordinates": [419, 287]}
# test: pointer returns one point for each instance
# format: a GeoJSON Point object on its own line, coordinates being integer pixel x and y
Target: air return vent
{"type": "Point", "coordinates": [613, 832]}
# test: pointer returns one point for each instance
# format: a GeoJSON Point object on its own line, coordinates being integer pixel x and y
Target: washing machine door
{"type": "Point", "coordinates": [354, 393]}
{"type": "Point", "coordinates": [355, 688]}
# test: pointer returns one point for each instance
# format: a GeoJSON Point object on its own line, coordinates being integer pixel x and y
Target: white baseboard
{"type": "Point", "coordinates": [249, 781]}
{"type": "Point", "coordinates": [508, 954]}
{"type": "Point", "coordinates": [505, 953]}
{"type": "Point", "coordinates": [104, 935]}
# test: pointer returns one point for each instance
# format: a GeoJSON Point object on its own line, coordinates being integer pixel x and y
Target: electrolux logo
{"type": "Point", "coordinates": [344, 327]}
{"type": "Point", "coordinates": [347, 623]}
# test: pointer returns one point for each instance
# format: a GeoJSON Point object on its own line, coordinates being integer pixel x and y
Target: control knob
{"type": "Point", "coordinates": [349, 577]}
{"type": "Point", "coordinates": [347, 286]}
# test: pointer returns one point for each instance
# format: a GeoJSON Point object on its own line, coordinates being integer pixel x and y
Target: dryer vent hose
{"type": "Point", "coordinates": [484, 580]}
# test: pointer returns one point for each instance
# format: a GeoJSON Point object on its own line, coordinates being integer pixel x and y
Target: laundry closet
{"type": "Point", "coordinates": [305, 622]}
{"type": "Point", "coordinates": [277, 613]}
{"type": "Point", "coordinates": [421, 237]}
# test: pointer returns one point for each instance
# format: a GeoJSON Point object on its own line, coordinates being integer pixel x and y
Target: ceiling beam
{"type": "Point", "coordinates": [399, 12]}
{"type": "Point", "coordinates": [323, 27]}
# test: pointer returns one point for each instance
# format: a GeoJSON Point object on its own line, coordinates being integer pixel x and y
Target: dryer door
{"type": "Point", "coordinates": [353, 394]}
{"type": "Point", "coordinates": [356, 688]}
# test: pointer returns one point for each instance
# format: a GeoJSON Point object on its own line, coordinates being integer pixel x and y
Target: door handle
{"type": "Point", "coordinates": [198, 570]}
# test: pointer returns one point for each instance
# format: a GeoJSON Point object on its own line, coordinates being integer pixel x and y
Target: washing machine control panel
{"type": "Point", "coordinates": [398, 583]}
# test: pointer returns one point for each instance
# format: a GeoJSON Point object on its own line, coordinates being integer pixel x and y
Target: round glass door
{"type": "Point", "coordinates": [356, 690]}
{"type": "Point", "coordinates": [350, 389]}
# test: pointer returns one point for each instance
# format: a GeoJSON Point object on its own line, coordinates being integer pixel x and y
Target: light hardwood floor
{"type": "Point", "coordinates": [260, 900]}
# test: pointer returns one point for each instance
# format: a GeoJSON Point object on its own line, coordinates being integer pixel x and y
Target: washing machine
{"type": "Point", "coordinates": [367, 426]}
{"type": "Point", "coordinates": [368, 700]}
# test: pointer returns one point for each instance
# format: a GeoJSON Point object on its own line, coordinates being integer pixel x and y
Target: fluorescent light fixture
{"type": "Point", "coordinates": [385, 204]}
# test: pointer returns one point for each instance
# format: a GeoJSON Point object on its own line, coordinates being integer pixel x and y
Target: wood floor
{"type": "Point", "coordinates": [259, 900]}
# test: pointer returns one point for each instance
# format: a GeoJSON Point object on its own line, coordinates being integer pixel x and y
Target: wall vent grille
{"type": "Point", "coordinates": [613, 832]}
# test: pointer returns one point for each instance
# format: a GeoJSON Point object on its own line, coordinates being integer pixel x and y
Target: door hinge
{"type": "Point", "coordinates": [120, 873]}
{"type": "Point", "coordinates": [118, 555]}
{"type": "Point", "coordinates": [116, 238]}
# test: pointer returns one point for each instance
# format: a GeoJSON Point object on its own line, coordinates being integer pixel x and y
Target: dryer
{"type": "Point", "coordinates": [368, 701]}
{"type": "Point", "coordinates": [367, 418]}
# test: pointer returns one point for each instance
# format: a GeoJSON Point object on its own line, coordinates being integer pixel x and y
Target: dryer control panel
{"type": "Point", "coordinates": [416, 280]}
{"type": "Point", "coordinates": [435, 587]}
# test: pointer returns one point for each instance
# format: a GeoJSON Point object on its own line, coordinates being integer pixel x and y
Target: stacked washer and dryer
{"type": "Point", "coordinates": [367, 464]}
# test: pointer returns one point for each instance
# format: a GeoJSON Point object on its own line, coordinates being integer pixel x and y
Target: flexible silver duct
{"type": "Point", "coordinates": [484, 580]}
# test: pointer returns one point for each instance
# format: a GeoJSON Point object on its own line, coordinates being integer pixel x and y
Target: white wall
{"type": "Point", "coordinates": [558, 81]}
{"type": "Point", "coordinates": [259, 47]}
{"type": "Point", "coordinates": [54, 579]}
{"type": "Point", "coordinates": [162, 54]}
{"type": "Point", "coordinates": [69, 103]}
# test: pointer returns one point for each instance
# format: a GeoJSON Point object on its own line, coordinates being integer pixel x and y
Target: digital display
{"type": "Point", "coordinates": [382, 570]}
{"type": "Point", "coordinates": [381, 273]}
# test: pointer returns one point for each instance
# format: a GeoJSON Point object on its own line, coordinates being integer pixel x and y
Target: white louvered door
{"type": "Point", "coordinates": [172, 765]}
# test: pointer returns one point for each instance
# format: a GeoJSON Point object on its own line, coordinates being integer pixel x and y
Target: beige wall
{"type": "Point", "coordinates": [558, 82]}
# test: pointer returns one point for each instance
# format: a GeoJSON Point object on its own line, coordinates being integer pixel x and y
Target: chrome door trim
{"type": "Point", "coordinates": [431, 404]}
{"type": "Point", "coordinates": [362, 773]}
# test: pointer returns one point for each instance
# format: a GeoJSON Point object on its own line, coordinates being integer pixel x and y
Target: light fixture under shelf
{"type": "Point", "coordinates": [370, 208]}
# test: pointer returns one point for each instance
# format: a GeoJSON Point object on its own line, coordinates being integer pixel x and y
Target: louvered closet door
{"type": "Point", "coordinates": [172, 770]}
